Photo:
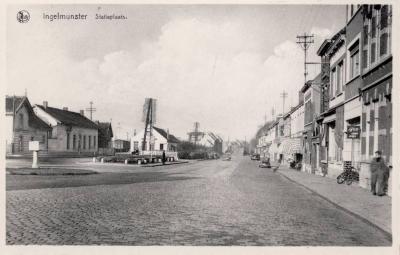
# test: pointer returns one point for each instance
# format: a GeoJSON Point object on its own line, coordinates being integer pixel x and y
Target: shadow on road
{"type": "Point", "coordinates": [22, 182]}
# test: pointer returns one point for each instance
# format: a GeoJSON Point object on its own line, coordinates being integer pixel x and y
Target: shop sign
{"type": "Point", "coordinates": [353, 132]}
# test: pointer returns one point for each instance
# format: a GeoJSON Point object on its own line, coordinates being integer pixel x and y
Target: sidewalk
{"type": "Point", "coordinates": [352, 198]}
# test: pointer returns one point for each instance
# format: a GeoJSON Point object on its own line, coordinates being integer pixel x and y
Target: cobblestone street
{"type": "Point", "coordinates": [202, 203]}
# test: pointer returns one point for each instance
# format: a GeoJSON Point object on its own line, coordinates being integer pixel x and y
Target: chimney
{"type": "Point", "coordinates": [45, 104]}
{"type": "Point", "coordinates": [82, 112]}
{"type": "Point", "coordinates": [167, 134]}
{"type": "Point", "coordinates": [65, 108]}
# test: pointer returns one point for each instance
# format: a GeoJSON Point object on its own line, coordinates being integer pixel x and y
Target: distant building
{"type": "Point", "coordinates": [71, 131]}
{"type": "Point", "coordinates": [121, 145]}
{"type": "Point", "coordinates": [105, 142]}
{"type": "Point", "coordinates": [160, 140]}
{"type": "Point", "coordinates": [312, 92]}
{"type": "Point", "coordinates": [22, 126]}
{"type": "Point", "coordinates": [211, 140]}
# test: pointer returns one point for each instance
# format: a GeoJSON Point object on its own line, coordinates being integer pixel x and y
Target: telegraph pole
{"type": "Point", "coordinates": [91, 109]}
{"type": "Point", "coordinates": [284, 94]}
{"type": "Point", "coordinates": [305, 41]}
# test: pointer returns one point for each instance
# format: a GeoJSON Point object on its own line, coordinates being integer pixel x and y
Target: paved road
{"type": "Point", "coordinates": [204, 203]}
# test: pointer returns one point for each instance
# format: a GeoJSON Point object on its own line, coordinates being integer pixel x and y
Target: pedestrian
{"type": "Point", "coordinates": [379, 175]}
{"type": "Point", "coordinates": [163, 158]}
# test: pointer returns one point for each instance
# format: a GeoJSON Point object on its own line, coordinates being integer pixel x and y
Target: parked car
{"type": "Point", "coordinates": [255, 157]}
{"type": "Point", "coordinates": [265, 163]}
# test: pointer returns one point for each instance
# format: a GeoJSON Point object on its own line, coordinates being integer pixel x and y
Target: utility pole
{"type": "Point", "coordinates": [91, 109]}
{"type": "Point", "coordinates": [305, 41]}
{"type": "Point", "coordinates": [273, 113]}
{"type": "Point", "coordinates": [284, 94]}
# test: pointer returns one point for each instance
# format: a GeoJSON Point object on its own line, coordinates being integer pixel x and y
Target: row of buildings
{"type": "Point", "coordinates": [59, 131]}
{"type": "Point", "coordinates": [344, 114]}
{"type": "Point", "coordinates": [68, 133]}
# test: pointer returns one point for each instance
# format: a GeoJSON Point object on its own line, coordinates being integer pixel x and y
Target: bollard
{"type": "Point", "coordinates": [139, 162]}
{"type": "Point", "coordinates": [94, 159]}
{"type": "Point", "coordinates": [102, 160]}
{"type": "Point", "coordinates": [159, 160]}
{"type": "Point", "coordinates": [126, 161]}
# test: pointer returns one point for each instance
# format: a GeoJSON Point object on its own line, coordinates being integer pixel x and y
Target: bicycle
{"type": "Point", "coordinates": [348, 176]}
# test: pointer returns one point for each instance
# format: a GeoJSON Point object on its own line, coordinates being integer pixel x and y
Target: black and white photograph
{"type": "Point", "coordinates": [236, 125]}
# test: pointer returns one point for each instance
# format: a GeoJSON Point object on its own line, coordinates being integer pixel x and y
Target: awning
{"type": "Point", "coordinates": [291, 146]}
{"type": "Point", "coordinates": [274, 148]}
{"type": "Point", "coordinates": [329, 118]}
{"type": "Point", "coordinates": [283, 148]}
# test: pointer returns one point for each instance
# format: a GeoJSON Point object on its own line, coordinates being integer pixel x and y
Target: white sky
{"type": "Point", "coordinates": [223, 66]}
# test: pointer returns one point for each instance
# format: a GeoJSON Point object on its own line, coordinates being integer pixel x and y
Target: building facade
{"type": "Point", "coordinates": [22, 126]}
{"type": "Point", "coordinates": [71, 133]}
{"type": "Point", "coordinates": [311, 93]}
{"type": "Point", "coordinates": [159, 141]}
{"type": "Point", "coordinates": [375, 28]}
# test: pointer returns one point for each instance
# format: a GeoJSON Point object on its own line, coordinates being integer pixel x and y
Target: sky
{"type": "Point", "coordinates": [223, 66]}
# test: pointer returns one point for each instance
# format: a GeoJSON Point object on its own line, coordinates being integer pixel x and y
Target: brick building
{"type": "Point", "coordinates": [375, 30]}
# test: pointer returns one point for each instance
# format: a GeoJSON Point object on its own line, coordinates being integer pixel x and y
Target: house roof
{"type": "Point", "coordinates": [69, 118]}
{"type": "Point", "coordinates": [105, 128]}
{"type": "Point", "coordinates": [170, 138]}
{"type": "Point", "coordinates": [328, 44]}
{"type": "Point", "coordinates": [14, 103]}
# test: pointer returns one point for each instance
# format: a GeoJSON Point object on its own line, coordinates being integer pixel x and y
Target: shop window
{"type": "Point", "coordinates": [90, 141]}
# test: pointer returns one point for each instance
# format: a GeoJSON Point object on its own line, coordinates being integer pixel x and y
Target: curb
{"type": "Point", "coordinates": [176, 163]}
{"type": "Point", "coordinates": [385, 232]}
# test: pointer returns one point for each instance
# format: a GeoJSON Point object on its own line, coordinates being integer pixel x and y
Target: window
{"type": "Point", "coordinates": [90, 141]}
{"type": "Point", "coordinates": [68, 141]}
{"type": "Point", "coordinates": [21, 120]}
{"type": "Point", "coordinates": [384, 31]}
{"type": "Point", "coordinates": [136, 145]}
{"type": "Point", "coordinates": [340, 77]}
{"type": "Point", "coordinates": [43, 139]}
{"type": "Point", "coordinates": [161, 146]}
{"type": "Point", "coordinates": [376, 35]}
{"type": "Point", "coordinates": [74, 142]}
{"type": "Point", "coordinates": [354, 63]}
{"type": "Point", "coordinates": [333, 82]}
{"type": "Point", "coordinates": [94, 141]}
{"type": "Point", "coordinates": [365, 44]}
{"type": "Point", "coordinates": [373, 37]}
{"type": "Point", "coordinates": [84, 142]}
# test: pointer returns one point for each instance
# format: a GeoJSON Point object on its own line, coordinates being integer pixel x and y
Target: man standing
{"type": "Point", "coordinates": [163, 158]}
{"type": "Point", "coordinates": [379, 175]}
